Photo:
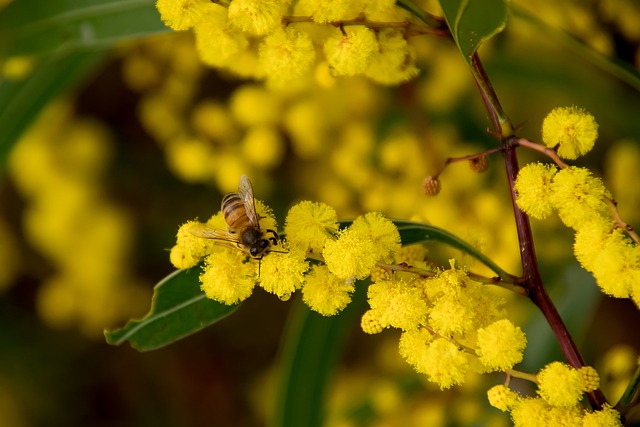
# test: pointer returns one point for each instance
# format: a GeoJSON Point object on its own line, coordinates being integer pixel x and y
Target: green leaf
{"type": "Point", "coordinates": [614, 66]}
{"type": "Point", "coordinates": [310, 350]}
{"type": "Point", "coordinates": [68, 39]}
{"type": "Point", "coordinates": [21, 101]}
{"type": "Point", "coordinates": [70, 25]}
{"type": "Point", "coordinates": [472, 22]}
{"type": "Point", "coordinates": [178, 309]}
{"type": "Point", "coordinates": [417, 232]}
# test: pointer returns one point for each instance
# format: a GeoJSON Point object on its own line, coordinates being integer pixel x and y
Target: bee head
{"type": "Point", "coordinates": [260, 246]}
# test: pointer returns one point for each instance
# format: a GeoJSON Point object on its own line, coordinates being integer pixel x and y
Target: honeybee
{"type": "Point", "coordinates": [243, 223]}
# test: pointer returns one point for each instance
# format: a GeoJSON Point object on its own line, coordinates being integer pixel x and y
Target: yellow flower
{"type": "Point", "coordinates": [349, 51]}
{"type": "Point", "coordinates": [500, 345]}
{"type": "Point", "coordinates": [190, 249]}
{"type": "Point", "coordinates": [589, 241]}
{"type": "Point", "coordinates": [502, 397]}
{"type": "Point", "coordinates": [324, 292]}
{"type": "Point", "coordinates": [282, 273]}
{"type": "Point", "coordinates": [310, 224]}
{"type": "Point", "coordinates": [441, 360]}
{"type": "Point", "coordinates": [444, 363]}
{"type": "Point", "coordinates": [572, 129]}
{"type": "Point", "coordinates": [227, 278]}
{"type": "Point", "coordinates": [324, 11]}
{"type": "Point", "coordinates": [606, 417]}
{"type": "Point", "coordinates": [616, 268]}
{"type": "Point", "coordinates": [393, 63]}
{"type": "Point", "coordinates": [460, 306]}
{"type": "Point", "coordinates": [530, 412]}
{"type": "Point", "coordinates": [286, 55]}
{"type": "Point", "coordinates": [533, 186]}
{"type": "Point", "coordinates": [216, 43]}
{"type": "Point", "coordinates": [399, 304]}
{"type": "Point", "coordinates": [183, 14]}
{"type": "Point", "coordinates": [382, 232]}
{"type": "Point", "coordinates": [452, 314]}
{"type": "Point", "coordinates": [352, 255]}
{"type": "Point", "coordinates": [413, 344]}
{"type": "Point", "coordinates": [560, 385]}
{"type": "Point", "coordinates": [577, 196]}
{"type": "Point", "coordinates": [257, 17]}
{"type": "Point", "coordinates": [535, 412]}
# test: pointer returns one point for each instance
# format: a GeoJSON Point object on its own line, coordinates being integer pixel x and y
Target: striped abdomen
{"type": "Point", "coordinates": [234, 212]}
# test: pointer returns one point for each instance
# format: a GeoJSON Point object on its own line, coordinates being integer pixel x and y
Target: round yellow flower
{"type": "Point", "coordinates": [500, 345]}
{"type": "Point", "coordinates": [398, 303]}
{"type": "Point", "coordinates": [227, 278]}
{"type": "Point", "coordinates": [606, 417]}
{"type": "Point", "coordinates": [351, 256]}
{"type": "Point", "coordinates": [286, 55]}
{"type": "Point", "coordinates": [310, 224]}
{"type": "Point", "coordinates": [533, 186]}
{"type": "Point", "coordinates": [578, 196]}
{"type": "Point", "coordinates": [282, 273]}
{"type": "Point", "coordinates": [393, 63]}
{"type": "Point", "coordinates": [183, 14]}
{"type": "Point", "coordinates": [571, 129]}
{"type": "Point", "coordinates": [256, 17]}
{"type": "Point", "coordinates": [560, 385]}
{"type": "Point", "coordinates": [350, 51]}
{"type": "Point", "coordinates": [325, 293]}
{"type": "Point", "coordinates": [383, 233]}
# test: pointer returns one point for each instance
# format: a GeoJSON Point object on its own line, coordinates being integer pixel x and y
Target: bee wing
{"type": "Point", "coordinates": [245, 189]}
{"type": "Point", "coordinates": [207, 232]}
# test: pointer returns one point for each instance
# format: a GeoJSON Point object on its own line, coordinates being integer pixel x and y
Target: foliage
{"type": "Point", "coordinates": [314, 123]}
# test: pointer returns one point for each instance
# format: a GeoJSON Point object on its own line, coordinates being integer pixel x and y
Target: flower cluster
{"type": "Point", "coordinates": [230, 274]}
{"type": "Point", "coordinates": [580, 199]}
{"type": "Point", "coordinates": [560, 388]}
{"type": "Point", "coordinates": [278, 37]}
{"type": "Point", "coordinates": [451, 325]}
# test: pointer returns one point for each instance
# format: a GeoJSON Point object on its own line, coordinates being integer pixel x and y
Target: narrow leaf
{"type": "Point", "coordinates": [70, 25]}
{"type": "Point", "coordinates": [311, 348]}
{"type": "Point", "coordinates": [178, 309]}
{"type": "Point", "coordinates": [472, 22]}
{"type": "Point", "coordinates": [416, 232]}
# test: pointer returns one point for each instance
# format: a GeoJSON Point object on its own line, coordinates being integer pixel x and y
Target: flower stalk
{"type": "Point", "coordinates": [531, 279]}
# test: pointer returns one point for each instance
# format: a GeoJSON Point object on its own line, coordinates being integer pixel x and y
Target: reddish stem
{"type": "Point", "coordinates": [532, 281]}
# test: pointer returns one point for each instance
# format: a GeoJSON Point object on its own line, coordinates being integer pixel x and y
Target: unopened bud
{"type": "Point", "coordinates": [479, 164]}
{"type": "Point", "coordinates": [431, 186]}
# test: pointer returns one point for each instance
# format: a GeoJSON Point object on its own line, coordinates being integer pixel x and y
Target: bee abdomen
{"type": "Point", "coordinates": [233, 211]}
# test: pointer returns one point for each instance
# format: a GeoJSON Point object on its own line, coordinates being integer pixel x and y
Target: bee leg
{"type": "Point", "coordinates": [275, 238]}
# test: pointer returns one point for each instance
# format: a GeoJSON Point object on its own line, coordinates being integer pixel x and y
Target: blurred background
{"type": "Point", "coordinates": [142, 137]}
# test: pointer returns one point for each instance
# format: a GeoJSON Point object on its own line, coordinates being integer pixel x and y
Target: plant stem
{"type": "Point", "coordinates": [533, 282]}
{"type": "Point", "coordinates": [531, 278]}
{"type": "Point", "coordinates": [627, 399]}
{"type": "Point", "coordinates": [502, 126]}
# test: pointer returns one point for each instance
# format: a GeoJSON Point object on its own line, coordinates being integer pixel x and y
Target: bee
{"type": "Point", "coordinates": [243, 223]}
